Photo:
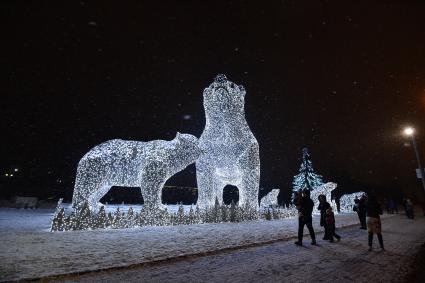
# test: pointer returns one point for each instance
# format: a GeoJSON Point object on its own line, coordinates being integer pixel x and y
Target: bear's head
{"type": "Point", "coordinates": [187, 148]}
{"type": "Point", "coordinates": [223, 97]}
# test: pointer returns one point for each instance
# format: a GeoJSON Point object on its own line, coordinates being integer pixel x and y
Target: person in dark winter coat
{"type": "Point", "coordinates": [323, 206]}
{"type": "Point", "coordinates": [330, 226]}
{"type": "Point", "coordinates": [361, 211]}
{"type": "Point", "coordinates": [409, 209]}
{"type": "Point", "coordinates": [393, 206]}
{"type": "Point", "coordinates": [405, 207]}
{"type": "Point", "coordinates": [373, 211]}
{"type": "Point", "coordinates": [305, 209]}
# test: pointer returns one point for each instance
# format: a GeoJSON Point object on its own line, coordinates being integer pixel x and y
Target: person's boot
{"type": "Point", "coordinates": [370, 248]}
{"type": "Point", "coordinates": [298, 243]}
{"type": "Point", "coordinates": [314, 242]}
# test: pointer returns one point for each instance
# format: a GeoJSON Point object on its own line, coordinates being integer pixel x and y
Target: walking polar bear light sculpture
{"type": "Point", "coordinates": [147, 165]}
{"type": "Point", "coordinates": [230, 150]}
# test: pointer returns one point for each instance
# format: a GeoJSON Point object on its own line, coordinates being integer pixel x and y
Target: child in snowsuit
{"type": "Point", "coordinates": [330, 226]}
{"type": "Point", "coordinates": [323, 206]}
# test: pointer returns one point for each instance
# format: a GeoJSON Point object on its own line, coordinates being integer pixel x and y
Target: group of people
{"type": "Point", "coordinates": [367, 208]}
{"type": "Point", "coordinates": [305, 207]}
{"type": "Point", "coordinates": [391, 206]}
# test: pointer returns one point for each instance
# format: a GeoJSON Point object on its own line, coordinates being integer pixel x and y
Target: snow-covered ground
{"type": "Point", "coordinates": [29, 250]}
{"type": "Point", "coordinates": [282, 261]}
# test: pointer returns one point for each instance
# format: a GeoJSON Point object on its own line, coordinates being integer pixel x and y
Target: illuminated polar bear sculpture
{"type": "Point", "coordinates": [270, 199]}
{"type": "Point", "coordinates": [147, 165]}
{"type": "Point", "coordinates": [230, 150]}
{"type": "Point", "coordinates": [346, 202]}
{"type": "Point", "coordinates": [326, 190]}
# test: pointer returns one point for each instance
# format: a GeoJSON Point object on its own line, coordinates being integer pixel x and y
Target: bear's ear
{"type": "Point", "coordinates": [178, 135]}
{"type": "Point", "coordinates": [242, 90]}
{"type": "Point", "coordinates": [207, 91]}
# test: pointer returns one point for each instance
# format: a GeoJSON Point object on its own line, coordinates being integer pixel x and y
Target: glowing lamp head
{"type": "Point", "coordinates": [409, 131]}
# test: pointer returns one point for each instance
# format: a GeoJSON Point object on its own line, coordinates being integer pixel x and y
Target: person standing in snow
{"type": "Point", "coordinates": [305, 209]}
{"type": "Point", "coordinates": [323, 206]}
{"type": "Point", "coordinates": [361, 211]}
{"type": "Point", "coordinates": [330, 226]}
{"type": "Point", "coordinates": [393, 206]}
{"type": "Point", "coordinates": [409, 209]}
{"type": "Point", "coordinates": [373, 211]}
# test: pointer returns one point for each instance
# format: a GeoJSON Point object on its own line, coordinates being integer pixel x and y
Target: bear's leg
{"type": "Point", "coordinates": [94, 199]}
{"type": "Point", "coordinates": [208, 187]}
{"type": "Point", "coordinates": [84, 186]}
{"type": "Point", "coordinates": [152, 195]}
{"type": "Point", "coordinates": [249, 164]}
{"type": "Point", "coordinates": [87, 185]}
{"type": "Point", "coordinates": [219, 191]}
{"type": "Point", "coordinates": [152, 183]}
{"type": "Point", "coordinates": [248, 189]}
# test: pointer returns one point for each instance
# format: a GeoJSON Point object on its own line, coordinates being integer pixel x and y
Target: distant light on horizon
{"type": "Point", "coordinates": [409, 131]}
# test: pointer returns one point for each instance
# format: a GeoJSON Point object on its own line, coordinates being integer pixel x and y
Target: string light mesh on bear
{"type": "Point", "coordinates": [147, 165]}
{"type": "Point", "coordinates": [346, 202]}
{"type": "Point", "coordinates": [230, 150]}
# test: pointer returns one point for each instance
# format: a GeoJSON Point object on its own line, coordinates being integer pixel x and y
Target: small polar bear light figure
{"type": "Point", "coordinates": [230, 150]}
{"type": "Point", "coordinates": [147, 165]}
{"type": "Point", "coordinates": [326, 190]}
{"type": "Point", "coordinates": [270, 199]}
{"type": "Point", "coordinates": [346, 202]}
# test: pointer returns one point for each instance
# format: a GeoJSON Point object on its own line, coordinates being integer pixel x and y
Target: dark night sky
{"type": "Point", "coordinates": [340, 77]}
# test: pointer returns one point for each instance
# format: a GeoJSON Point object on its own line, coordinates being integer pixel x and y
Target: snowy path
{"type": "Point", "coordinates": [28, 250]}
{"type": "Point", "coordinates": [347, 261]}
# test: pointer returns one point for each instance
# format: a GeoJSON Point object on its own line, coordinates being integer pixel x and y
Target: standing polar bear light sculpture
{"type": "Point", "coordinates": [147, 165]}
{"type": "Point", "coordinates": [230, 150]}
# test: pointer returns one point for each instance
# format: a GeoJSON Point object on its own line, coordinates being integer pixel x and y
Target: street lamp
{"type": "Point", "coordinates": [410, 132]}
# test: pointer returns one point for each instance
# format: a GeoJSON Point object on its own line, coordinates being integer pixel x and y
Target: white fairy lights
{"type": "Point", "coordinates": [230, 150]}
{"type": "Point", "coordinates": [326, 190]}
{"type": "Point", "coordinates": [346, 202]}
{"type": "Point", "coordinates": [270, 200]}
{"type": "Point", "coordinates": [306, 178]}
{"type": "Point", "coordinates": [147, 165]}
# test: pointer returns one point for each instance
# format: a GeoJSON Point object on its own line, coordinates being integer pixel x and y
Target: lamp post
{"type": "Point", "coordinates": [410, 132]}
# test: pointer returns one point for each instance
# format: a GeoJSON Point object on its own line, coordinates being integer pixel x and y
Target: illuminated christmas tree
{"type": "Point", "coordinates": [224, 213]}
{"type": "Point", "coordinates": [306, 178]}
{"type": "Point", "coordinates": [58, 222]}
{"type": "Point", "coordinates": [59, 219]}
{"type": "Point", "coordinates": [180, 215]}
{"type": "Point", "coordinates": [101, 219]}
{"type": "Point", "coordinates": [191, 216]}
{"type": "Point", "coordinates": [233, 212]}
